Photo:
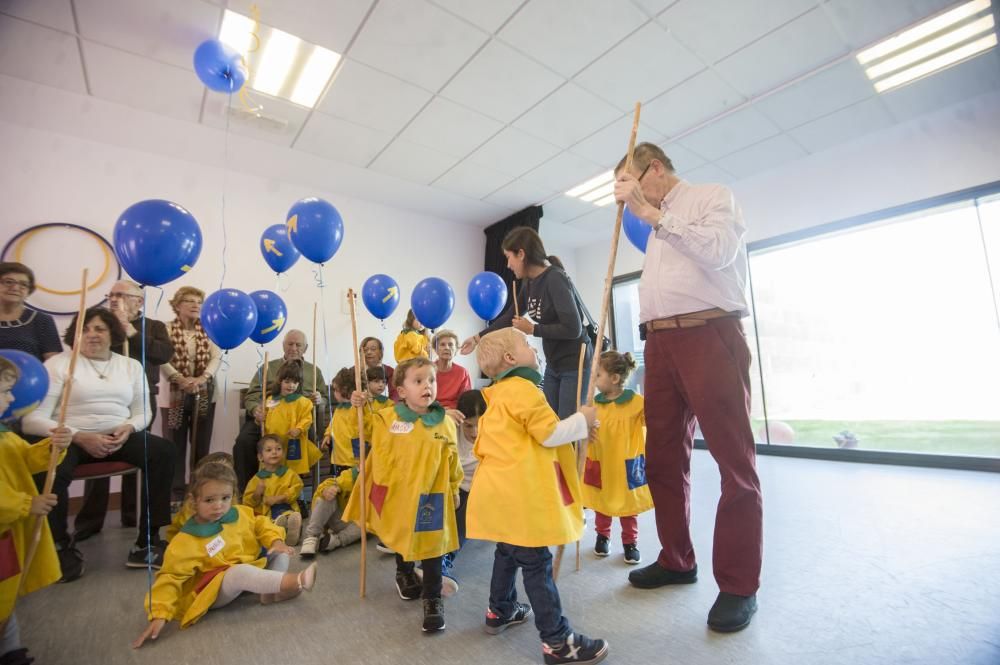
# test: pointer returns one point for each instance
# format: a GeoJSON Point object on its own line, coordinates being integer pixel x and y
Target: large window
{"type": "Point", "coordinates": [879, 336]}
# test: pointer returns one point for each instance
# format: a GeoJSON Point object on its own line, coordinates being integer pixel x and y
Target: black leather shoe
{"type": "Point", "coordinates": [731, 612]}
{"type": "Point", "coordinates": [85, 531]}
{"type": "Point", "coordinates": [654, 575]}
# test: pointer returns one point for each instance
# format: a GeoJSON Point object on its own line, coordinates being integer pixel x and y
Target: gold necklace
{"type": "Point", "coordinates": [101, 375]}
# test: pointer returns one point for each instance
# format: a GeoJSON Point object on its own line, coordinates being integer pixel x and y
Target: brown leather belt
{"type": "Point", "coordinates": [690, 320]}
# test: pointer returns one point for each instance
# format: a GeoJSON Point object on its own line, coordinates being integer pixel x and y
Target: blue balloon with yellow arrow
{"type": "Point", "coordinates": [380, 293]}
{"type": "Point", "coordinates": [316, 228]}
{"type": "Point", "coordinates": [277, 248]}
{"type": "Point", "coordinates": [271, 316]}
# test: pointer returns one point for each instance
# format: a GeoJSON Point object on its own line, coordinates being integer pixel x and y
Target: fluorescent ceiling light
{"type": "Point", "coordinates": [599, 192]}
{"type": "Point", "coordinates": [605, 201]}
{"type": "Point", "coordinates": [934, 64]}
{"type": "Point", "coordinates": [237, 32]}
{"type": "Point", "coordinates": [929, 48]}
{"type": "Point", "coordinates": [594, 182]}
{"type": "Point", "coordinates": [314, 76]}
{"type": "Point", "coordinates": [276, 62]}
{"type": "Point", "coordinates": [922, 30]}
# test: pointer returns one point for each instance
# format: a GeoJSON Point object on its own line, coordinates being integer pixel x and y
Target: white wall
{"type": "Point", "coordinates": [54, 177]}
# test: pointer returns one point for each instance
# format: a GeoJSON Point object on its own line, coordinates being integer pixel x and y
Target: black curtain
{"type": "Point", "coordinates": [495, 233]}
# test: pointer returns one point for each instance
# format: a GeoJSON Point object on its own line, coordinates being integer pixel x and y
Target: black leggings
{"type": "Point", "coordinates": [431, 569]}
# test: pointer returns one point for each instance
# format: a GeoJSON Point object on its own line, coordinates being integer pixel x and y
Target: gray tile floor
{"type": "Point", "coordinates": [862, 564]}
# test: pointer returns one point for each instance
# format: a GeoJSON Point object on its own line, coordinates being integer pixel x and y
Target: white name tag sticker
{"type": "Point", "coordinates": [215, 546]}
{"type": "Point", "coordinates": [401, 427]}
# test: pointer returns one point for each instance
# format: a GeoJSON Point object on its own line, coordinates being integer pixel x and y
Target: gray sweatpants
{"type": "Point", "coordinates": [327, 515]}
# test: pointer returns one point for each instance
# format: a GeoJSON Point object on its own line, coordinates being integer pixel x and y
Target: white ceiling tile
{"type": "Point", "coordinates": [51, 13]}
{"type": "Point", "coordinates": [567, 116]}
{"type": "Point", "coordinates": [164, 30]}
{"type": "Point", "coordinates": [608, 145]}
{"type": "Point", "coordinates": [564, 208]}
{"type": "Point", "coordinates": [143, 84]}
{"type": "Point", "coordinates": [682, 158]}
{"type": "Point", "coordinates": [417, 42]}
{"type": "Point", "coordinates": [843, 125]}
{"type": "Point", "coordinates": [368, 97]}
{"type": "Point", "coordinates": [834, 88]}
{"type": "Point", "coordinates": [699, 98]}
{"type": "Point", "coordinates": [501, 82]}
{"type": "Point", "coordinates": [341, 140]}
{"type": "Point", "coordinates": [729, 134]}
{"type": "Point", "coordinates": [513, 152]}
{"type": "Point", "coordinates": [519, 194]}
{"type": "Point", "coordinates": [716, 28]}
{"type": "Point", "coordinates": [280, 122]}
{"type": "Point", "coordinates": [709, 173]}
{"type": "Point", "coordinates": [567, 35]}
{"type": "Point", "coordinates": [472, 180]}
{"type": "Point", "coordinates": [563, 172]}
{"type": "Point", "coordinates": [599, 220]}
{"type": "Point", "coordinates": [413, 162]}
{"type": "Point", "coordinates": [793, 49]}
{"type": "Point", "coordinates": [622, 78]}
{"type": "Point", "coordinates": [962, 81]}
{"type": "Point", "coordinates": [654, 7]}
{"type": "Point", "coordinates": [762, 156]}
{"type": "Point", "coordinates": [34, 53]}
{"type": "Point", "coordinates": [488, 15]}
{"type": "Point", "coordinates": [450, 128]}
{"type": "Point", "coordinates": [328, 23]}
{"type": "Point", "coordinates": [863, 21]}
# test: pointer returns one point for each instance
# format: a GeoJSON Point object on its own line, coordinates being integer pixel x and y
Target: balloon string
{"type": "Point", "coordinates": [224, 366]}
{"type": "Point", "coordinates": [225, 181]}
{"type": "Point", "coordinates": [159, 299]}
{"type": "Point", "coordinates": [326, 343]}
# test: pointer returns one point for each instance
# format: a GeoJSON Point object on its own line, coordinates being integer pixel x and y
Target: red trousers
{"type": "Point", "coordinates": [630, 527]}
{"type": "Point", "coordinates": [704, 373]}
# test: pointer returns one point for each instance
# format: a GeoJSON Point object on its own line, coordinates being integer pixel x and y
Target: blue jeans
{"type": "Point", "coordinates": [448, 561]}
{"type": "Point", "coordinates": [560, 388]}
{"type": "Point", "coordinates": [536, 568]}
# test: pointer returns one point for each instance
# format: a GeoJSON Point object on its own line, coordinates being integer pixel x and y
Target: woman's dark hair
{"type": "Point", "coordinates": [291, 370]}
{"type": "Point", "coordinates": [534, 251]}
{"type": "Point", "coordinates": [471, 403]}
{"type": "Point", "coordinates": [15, 268]}
{"type": "Point", "coordinates": [109, 319]}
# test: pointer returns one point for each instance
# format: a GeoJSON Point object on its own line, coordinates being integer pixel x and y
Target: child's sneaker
{"type": "Point", "coordinates": [291, 522]}
{"type": "Point", "coordinates": [309, 545]}
{"type": "Point", "coordinates": [632, 554]}
{"type": "Point", "coordinates": [433, 614]}
{"type": "Point", "coordinates": [328, 543]}
{"type": "Point", "coordinates": [577, 648]}
{"type": "Point", "coordinates": [496, 624]}
{"type": "Point", "coordinates": [408, 585]}
{"type": "Point", "coordinates": [601, 546]}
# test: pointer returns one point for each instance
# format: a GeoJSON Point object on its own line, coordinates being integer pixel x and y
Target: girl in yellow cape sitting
{"type": "Point", "coordinates": [289, 416]}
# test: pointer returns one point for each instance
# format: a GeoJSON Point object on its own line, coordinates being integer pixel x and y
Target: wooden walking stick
{"type": "Point", "coordinates": [579, 389]}
{"type": "Point", "coordinates": [50, 474]}
{"type": "Point", "coordinates": [263, 396]}
{"type": "Point", "coordinates": [195, 414]}
{"type": "Point", "coordinates": [516, 311]}
{"type": "Point", "coordinates": [351, 298]}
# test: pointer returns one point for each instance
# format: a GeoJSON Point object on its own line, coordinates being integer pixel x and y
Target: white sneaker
{"type": "Point", "coordinates": [309, 544]}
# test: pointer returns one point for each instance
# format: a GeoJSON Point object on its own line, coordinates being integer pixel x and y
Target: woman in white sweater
{"type": "Point", "coordinates": [107, 413]}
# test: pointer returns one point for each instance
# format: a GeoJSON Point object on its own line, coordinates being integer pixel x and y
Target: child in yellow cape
{"type": "Point", "coordinates": [274, 490]}
{"type": "Point", "coordinates": [412, 478]}
{"type": "Point", "coordinates": [187, 508]}
{"type": "Point", "coordinates": [326, 529]}
{"type": "Point", "coordinates": [376, 388]}
{"type": "Point", "coordinates": [19, 503]}
{"type": "Point", "coordinates": [614, 478]}
{"type": "Point", "coordinates": [525, 495]}
{"type": "Point", "coordinates": [412, 341]}
{"type": "Point", "coordinates": [217, 556]}
{"type": "Point", "coordinates": [289, 416]}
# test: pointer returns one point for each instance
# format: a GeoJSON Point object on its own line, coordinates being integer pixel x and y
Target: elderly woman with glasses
{"type": "Point", "coordinates": [21, 327]}
{"type": "Point", "coordinates": [187, 395]}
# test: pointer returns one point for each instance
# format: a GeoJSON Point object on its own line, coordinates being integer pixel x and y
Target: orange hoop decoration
{"type": "Point", "coordinates": [19, 249]}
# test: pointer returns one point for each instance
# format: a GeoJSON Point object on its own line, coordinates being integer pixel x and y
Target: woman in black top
{"type": "Point", "coordinates": [21, 327]}
{"type": "Point", "coordinates": [548, 310]}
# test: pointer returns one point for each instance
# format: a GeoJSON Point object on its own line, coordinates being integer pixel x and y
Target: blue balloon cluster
{"type": "Point", "coordinates": [156, 241]}
{"type": "Point", "coordinates": [228, 317]}
{"type": "Point", "coordinates": [220, 67]}
{"type": "Point", "coordinates": [31, 386]}
{"type": "Point", "coordinates": [271, 316]}
{"type": "Point", "coordinates": [487, 295]}
{"type": "Point", "coordinates": [380, 293]}
{"type": "Point", "coordinates": [277, 248]}
{"type": "Point", "coordinates": [433, 301]}
{"type": "Point", "coordinates": [636, 230]}
{"type": "Point", "coordinates": [316, 228]}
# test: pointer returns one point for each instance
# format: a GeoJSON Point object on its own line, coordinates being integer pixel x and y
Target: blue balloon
{"type": "Point", "coordinates": [31, 385]}
{"type": "Point", "coordinates": [380, 293]}
{"type": "Point", "coordinates": [228, 317]}
{"type": "Point", "coordinates": [316, 229]}
{"type": "Point", "coordinates": [636, 230]}
{"type": "Point", "coordinates": [219, 67]}
{"type": "Point", "coordinates": [156, 241]}
{"type": "Point", "coordinates": [487, 295]}
{"type": "Point", "coordinates": [277, 248]}
{"type": "Point", "coordinates": [433, 301]}
{"type": "Point", "coordinates": [271, 316]}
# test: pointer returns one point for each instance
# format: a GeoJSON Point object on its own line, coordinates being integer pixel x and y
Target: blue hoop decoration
{"type": "Point", "coordinates": [63, 225]}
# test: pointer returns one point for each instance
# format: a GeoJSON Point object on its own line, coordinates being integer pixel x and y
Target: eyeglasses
{"type": "Point", "coordinates": [112, 296]}
{"type": "Point", "coordinates": [11, 283]}
{"type": "Point", "coordinates": [644, 171]}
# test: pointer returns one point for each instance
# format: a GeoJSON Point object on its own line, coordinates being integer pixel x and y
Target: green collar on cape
{"type": "Point", "coordinates": [264, 474]}
{"type": "Point", "coordinates": [523, 372]}
{"type": "Point", "coordinates": [624, 398]}
{"type": "Point", "coordinates": [205, 529]}
{"type": "Point", "coordinates": [433, 417]}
